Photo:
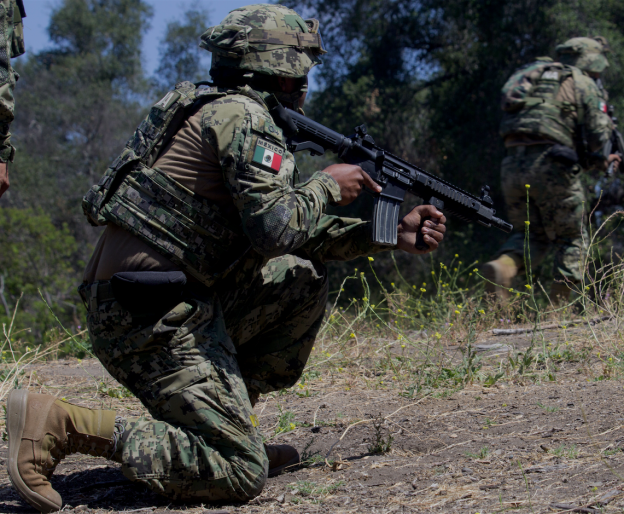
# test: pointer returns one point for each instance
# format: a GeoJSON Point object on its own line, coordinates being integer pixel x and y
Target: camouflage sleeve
{"type": "Point", "coordinates": [11, 45]}
{"type": "Point", "coordinates": [598, 125]}
{"type": "Point", "coordinates": [276, 216]}
{"type": "Point", "coordinates": [342, 239]}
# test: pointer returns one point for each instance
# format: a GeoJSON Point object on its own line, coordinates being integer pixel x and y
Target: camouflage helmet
{"type": "Point", "coordinates": [265, 38]}
{"type": "Point", "coordinates": [587, 54]}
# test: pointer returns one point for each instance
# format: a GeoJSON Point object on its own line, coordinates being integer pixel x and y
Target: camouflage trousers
{"type": "Point", "coordinates": [555, 209]}
{"type": "Point", "coordinates": [193, 369]}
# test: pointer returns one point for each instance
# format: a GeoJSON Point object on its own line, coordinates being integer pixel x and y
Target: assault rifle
{"type": "Point", "coordinates": [615, 144]}
{"type": "Point", "coordinates": [393, 174]}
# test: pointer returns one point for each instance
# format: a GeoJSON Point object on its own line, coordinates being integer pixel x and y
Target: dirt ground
{"type": "Point", "coordinates": [527, 447]}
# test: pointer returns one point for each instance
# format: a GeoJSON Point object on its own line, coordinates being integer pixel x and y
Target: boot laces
{"type": "Point", "coordinates": [118, 432]}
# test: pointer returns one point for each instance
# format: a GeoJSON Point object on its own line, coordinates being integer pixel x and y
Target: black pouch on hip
{"type": "Point", "coordinates": [148, 292]}
{"type": "Point", "coordinates": [563, 154]}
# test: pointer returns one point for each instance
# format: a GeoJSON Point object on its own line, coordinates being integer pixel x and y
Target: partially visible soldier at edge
{"type": "Point", "coordinates": [11, 21]}
{"type": "Point", "coordinates": [208, 286]}
{"type": "Point", "coordinates": [555, 124]}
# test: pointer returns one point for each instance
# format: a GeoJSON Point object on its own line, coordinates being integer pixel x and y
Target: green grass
{"type": "Point", "coordinates": [568, 452]}
{"type": "Point", "coordinates": [481, 454]}
{"type": "Point", "coordinates": [548, 408]}
{"type": "Point", "coordinates": [311, 491]}
{"type": "Point", "coordinates": [285, 421]}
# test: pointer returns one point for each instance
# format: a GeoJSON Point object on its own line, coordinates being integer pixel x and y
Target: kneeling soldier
{"type": "Point", "coordinates": [208, 286]}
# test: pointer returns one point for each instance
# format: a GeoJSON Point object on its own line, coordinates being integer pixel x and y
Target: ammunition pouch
{"type": "Point", "coordinates": [185, 227]}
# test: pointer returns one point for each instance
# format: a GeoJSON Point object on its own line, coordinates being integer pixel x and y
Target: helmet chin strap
{"type": "Point", "coordinates": [291, 98]}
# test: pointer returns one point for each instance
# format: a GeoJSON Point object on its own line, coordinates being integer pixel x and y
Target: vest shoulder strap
{"type": "Point", "coordinates": [580, 108]}
{"type": "Point", "coordinates": [148, 139]}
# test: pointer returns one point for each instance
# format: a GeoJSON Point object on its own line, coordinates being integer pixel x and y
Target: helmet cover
{"type": "Point", "coordinates": [585, 53]}
{"type": "Point", "coordinates": [265, 38]}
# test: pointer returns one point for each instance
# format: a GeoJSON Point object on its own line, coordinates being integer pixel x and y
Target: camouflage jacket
{"type": "Point", "coordinates": [275, 215]}
{"type": "Point", "coordinates": [546, 99]}
{"type": "Point", "coordinates": [12, 45]}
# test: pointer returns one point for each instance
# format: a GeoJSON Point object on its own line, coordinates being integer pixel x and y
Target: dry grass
{"type": "Point", "coordinates": [409, 386]}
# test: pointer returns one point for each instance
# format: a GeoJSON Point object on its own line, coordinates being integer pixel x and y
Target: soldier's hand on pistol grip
{"type": "Point", "coordinates": [4, 177]}
{"type": "Point", "coordinates": [432, 229]}
{"type": "Point", "coordinates": [352, 181]}
{"type": "Point", "coordinates": [616, 160]}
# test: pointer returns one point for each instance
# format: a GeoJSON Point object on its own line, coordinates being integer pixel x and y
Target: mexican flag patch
{"type": "Point", "coordinates": [603, 106]}
{"type": "Point", "coordinates": [268, 155]}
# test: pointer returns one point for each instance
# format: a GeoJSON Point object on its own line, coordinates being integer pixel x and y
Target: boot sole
{"type": "Point", "coordinates": [16, 419]}
{"type": "Point", "coordinates": [273, 472]}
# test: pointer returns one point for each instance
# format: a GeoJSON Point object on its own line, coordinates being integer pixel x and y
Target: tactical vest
{"type": "Point", "coordinates": [536, 112]}
{"type": "Point", "coordinates": [179, 224]}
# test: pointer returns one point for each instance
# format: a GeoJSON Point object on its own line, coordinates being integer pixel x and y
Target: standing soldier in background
{"type": "Point", "coordinates": [555, 124]}
{"type": "Point", "coordinates": [208, 286]}
{"type": "Point", "coordinates": [12, 41]}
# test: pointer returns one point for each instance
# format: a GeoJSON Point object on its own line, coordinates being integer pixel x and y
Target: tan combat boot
{"type": "Point", "coordinates": [501, 272]}
{"type": "Point", "coordinates": [42, 431]}
{"type": "Point", "coordinates": [281, 456]}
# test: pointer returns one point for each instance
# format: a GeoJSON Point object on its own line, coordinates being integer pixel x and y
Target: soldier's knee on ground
{"type": "Point", "coordinates": [205, 491]}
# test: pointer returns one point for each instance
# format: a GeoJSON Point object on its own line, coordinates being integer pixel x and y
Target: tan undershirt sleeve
{"type": "Point", "coordinates": [190, 160]}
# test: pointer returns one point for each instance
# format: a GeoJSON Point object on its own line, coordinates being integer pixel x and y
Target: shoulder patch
{"type": "Point", "coordinates": [268, 155]}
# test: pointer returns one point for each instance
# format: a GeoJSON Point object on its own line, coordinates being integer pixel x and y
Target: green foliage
{"type": "Point", "coordinates": [101, 36]}
{"type": "Point", "coordinates": [114, 392]}
{"type": "Point", "coordinates": [285, 421]}
{"type": "Point", "coordinates": [548, 408]}
{"type": "Point", "coordinates": [180, 56]}
{"type": "Point", "coordinates": [310, 457]}
{"type": "Point", "coordinates": [313, 491]}
{"type": "Point", "coordinates": [569, 452]}
{"type": "Point", "coordinates": [77, 102]}
{"type": "Point", "coordinates": [425, 76]}
{"type": "Point", "coordinates": [36, 255]}
{"type": "Point", "coordinates": [481, 454]}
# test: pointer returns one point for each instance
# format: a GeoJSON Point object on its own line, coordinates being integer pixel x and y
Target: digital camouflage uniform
{"type": "Point", "coordinates": [259, 287]}
{"type": "Point", "coordinates": [12, 41]}
{"type": "Point", "coordinates": [544, 104]}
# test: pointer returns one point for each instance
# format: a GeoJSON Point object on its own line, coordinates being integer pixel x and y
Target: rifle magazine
{"type": "Point", "coordinates": [385, 220]}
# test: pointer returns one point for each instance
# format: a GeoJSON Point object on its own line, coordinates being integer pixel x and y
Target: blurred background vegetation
{"type": "Point", "coordinates": [423, 75]}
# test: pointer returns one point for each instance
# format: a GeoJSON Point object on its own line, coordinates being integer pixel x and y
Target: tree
{"type": "Point", "coordinates": [426, 77]}
{"type": "Point", "coordinates": [180, 55]}
{"type": "Point", "coordinates": [36, 256]}
{"type": "Point", "coordinates": [77, 104]}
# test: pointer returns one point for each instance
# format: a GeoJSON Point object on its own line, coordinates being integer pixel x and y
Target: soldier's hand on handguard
{"type": "Point", "coordinates": [616, 160]}
{"type": "Point", "coordinates": [433, 229]}
{"type": "Point", "coordinates": [4, 177]}
{"type": "Point", "coordinates": [352, 181]}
